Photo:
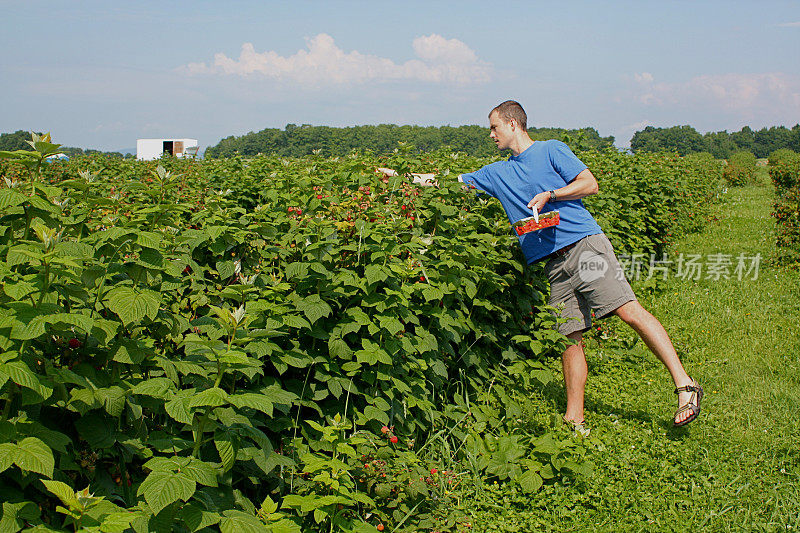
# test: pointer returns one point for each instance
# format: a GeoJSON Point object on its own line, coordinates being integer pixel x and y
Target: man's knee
{"type": "Point", "coordinates": [632, 313]}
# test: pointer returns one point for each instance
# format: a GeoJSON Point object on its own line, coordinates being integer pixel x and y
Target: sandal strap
{"type": "Point", "coordinates": [687, 407]}
{"type": "Point", "coordinates": [694, 387]}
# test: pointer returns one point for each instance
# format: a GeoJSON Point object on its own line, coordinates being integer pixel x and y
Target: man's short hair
{"type": "Point", "coordinates": [512, 110]}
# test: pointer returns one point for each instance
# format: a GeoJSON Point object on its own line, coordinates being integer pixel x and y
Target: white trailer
{"type": "Point", "coordinates": [149, 149]}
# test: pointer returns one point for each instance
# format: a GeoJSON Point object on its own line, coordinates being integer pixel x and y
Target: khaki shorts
{"type": "Point", "coordinates": [587, 277]}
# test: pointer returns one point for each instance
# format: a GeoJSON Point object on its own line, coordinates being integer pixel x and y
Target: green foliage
{"type": "Point", "coordinates": [681, 139]}
{"type": "Point", "coordinates": [298, 141]}
{"type": "Point", "coordinates": [741, 169]}
{"type": "Point", "coordinates": [721, 144]}
{"type": "Point", "coordinates": [648, 200]}
{"type": "Point", "coordinates": [15, 141]}
{"type": "Point", "coordinates": [219, 343]}
{"type": "Point", "coordinates": [784, 169]}
{"type": "Point", "coordinates": [19, 141]}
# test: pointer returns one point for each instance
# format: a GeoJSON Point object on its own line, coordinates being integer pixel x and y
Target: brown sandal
{"type": "Point", "coordinates": [692, 405]}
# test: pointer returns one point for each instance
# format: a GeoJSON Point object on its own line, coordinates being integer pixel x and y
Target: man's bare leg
{"type": "Point", "coordinates": [573, 364]}
{"type": "Point", "coordinates": [655, 336]}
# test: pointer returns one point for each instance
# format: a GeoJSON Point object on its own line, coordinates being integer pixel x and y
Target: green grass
{"type": "Point", "coordinates": [737, 468]}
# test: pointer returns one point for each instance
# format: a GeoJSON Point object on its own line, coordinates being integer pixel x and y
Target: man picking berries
{"type": "Point", "coordinates": [580, 263]}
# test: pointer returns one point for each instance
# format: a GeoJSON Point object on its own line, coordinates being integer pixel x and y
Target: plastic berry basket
{"type": "Point", "coordinates": [529, 224]}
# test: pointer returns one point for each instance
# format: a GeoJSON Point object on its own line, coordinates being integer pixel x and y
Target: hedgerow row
{"type": "Point", "coordinates": [273, 344]}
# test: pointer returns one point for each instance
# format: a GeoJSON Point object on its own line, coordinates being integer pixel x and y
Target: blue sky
{"type": "Point", "coordinates": [102, 74]}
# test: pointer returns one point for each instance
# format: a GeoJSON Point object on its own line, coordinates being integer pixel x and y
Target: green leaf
{"type": "Point", "coordinates": [11, 197]}
{"type": "Point", "coordinates": [7, 453]}
{"type": "Point", "coordinates": [162, 488]}
{"type": "Point", "coordinates": [34, 455]}
{"type": "Point", "coordinates": [119, 522]}
{"type": "Point", "coordinates": [155, 387]}
{"type": "Point", "coordinates": [129, 352]}
{"type": "Point", "coordinates": [337, 347]}
{"type": "Point", "coordinates": [152, 259]}
{"type": "Point", "coordinates": [373, 413]}
{"type": "Point", "coordinates": [16, 514]}
{"type": "Point", "coordinates": [226, 447]}
{"type": "Point", "coordinates": [97, 430]}
{"type": "Point", "coordinates": [530, 481]}
{"type": "Point", "coordinates": [226, 269]}
{"type": "Point", "coordinates": [240, 522]}
{"type": "Point", "coordinates": [148, 239]}
{"type": "Point", "coordinates": [314, 308]}
{"type": "Point", "coordinates": [132, 305]}
{"type": "Point", "coordinates": [18, 290]}
{"type": "Point", "coordinates": [197, 518]}
{"type": "Point", "coordinates": [432, 293]}
{"type": "Point", "coordinates": [213, 397]}
{"type": "Point", "coordinates": [201, 472]}
{"type": "Point", "coordinates": [19, 373]}
{"type": "Point", "coordinates": [255, 401]}
{"type": "Point", "coordinates": [112, 398]}
{"type": "Point", "coordinates": [178, 407]}
{"type": "Point", "coordinates": [375, 273]}
{"type": "Point", "coordinates": [295, 321]}
{"type": "Point", "coordinates": [296, 270]}
{"type": "Point", "coordinates": [63, 491]}
{"type": "Point", "coordinates": [276, 394]}
{"type": "Point", "coordinates": [104, 330]}
{"type": "Point", "coordinates": [84, 322]}
{"type": "Point", "coordinates": [391, 324]}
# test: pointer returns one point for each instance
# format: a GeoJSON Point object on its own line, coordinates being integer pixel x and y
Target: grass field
{"type": "Point", "coordinates": [737, 468]}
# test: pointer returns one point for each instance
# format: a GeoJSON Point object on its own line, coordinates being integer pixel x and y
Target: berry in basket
{"type": "Point", "coordinates": [527, 225]}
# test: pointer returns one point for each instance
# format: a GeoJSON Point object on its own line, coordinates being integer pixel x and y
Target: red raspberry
{"type": "Point", "coordinates": [74, 343]}
{"type": "Point", "coordinates": [384, 430]}
{"type": "Point", "coordinates": [393, 439]}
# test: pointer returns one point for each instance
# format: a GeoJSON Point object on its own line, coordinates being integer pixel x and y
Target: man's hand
{"type": "Point", "coordinates": [539, 200]}
{"type": "Point", "coordinates": [425, 180]}
{"type": "Point", "coordinates": [581, 186]}
{"type": "Point", "coordinates": [387, 172]}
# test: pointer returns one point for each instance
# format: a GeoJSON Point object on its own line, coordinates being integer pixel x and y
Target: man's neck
{"type": "Point", "coordinates": [522, 143]}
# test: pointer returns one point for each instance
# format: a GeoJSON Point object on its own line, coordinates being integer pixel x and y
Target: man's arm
{"type": "Point", "coordinates": [583, 185]}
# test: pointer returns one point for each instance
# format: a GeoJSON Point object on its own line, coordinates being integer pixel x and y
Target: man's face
{"type": "Point", "coordinates": [500, 131]}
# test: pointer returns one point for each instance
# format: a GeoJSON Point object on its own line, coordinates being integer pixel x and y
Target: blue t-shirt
{"type": "Point", "coordinates": [543, 166]}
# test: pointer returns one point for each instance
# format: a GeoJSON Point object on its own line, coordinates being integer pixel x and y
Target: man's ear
{"type": "Point", "coordinates": [513, 124]}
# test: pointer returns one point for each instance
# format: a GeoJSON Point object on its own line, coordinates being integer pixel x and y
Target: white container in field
{"type": "Point", "coordinates": [149, 149]}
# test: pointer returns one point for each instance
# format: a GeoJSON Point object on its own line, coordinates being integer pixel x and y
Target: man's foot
{"type": "Point", "coordinates": [689, 397]}
{"type": "Point", "coordinates": [578, 427]}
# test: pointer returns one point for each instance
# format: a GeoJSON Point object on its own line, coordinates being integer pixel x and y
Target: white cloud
{"type": "Point", "coordinates": [733, 92]}
{"type": "Point", "coordinates": [439, 60]}
{"type": "Point", "coordinates": [789, 25]}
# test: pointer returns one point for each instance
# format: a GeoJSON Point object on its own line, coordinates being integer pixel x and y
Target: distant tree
{"type": "Point", "coordinates": [745, 139]}
{"type": "Point", "coordinates": [681, 139]}
{"type": "Point", "coordinates": [295, 140]}
{"type": "Point", "coordinates": [719, 144]}
{"type": "Point", "coordinates": [16, 140]}
{"type": "Point", "coordinates": [685, 140]}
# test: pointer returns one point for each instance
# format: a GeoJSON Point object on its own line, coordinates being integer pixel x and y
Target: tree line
{"type": "Point", "coordinates": [16, 141]}
{"type": "Point", "coordinates": [297, 141]}
{"type": "Point", "coordinates": [720, 144]}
